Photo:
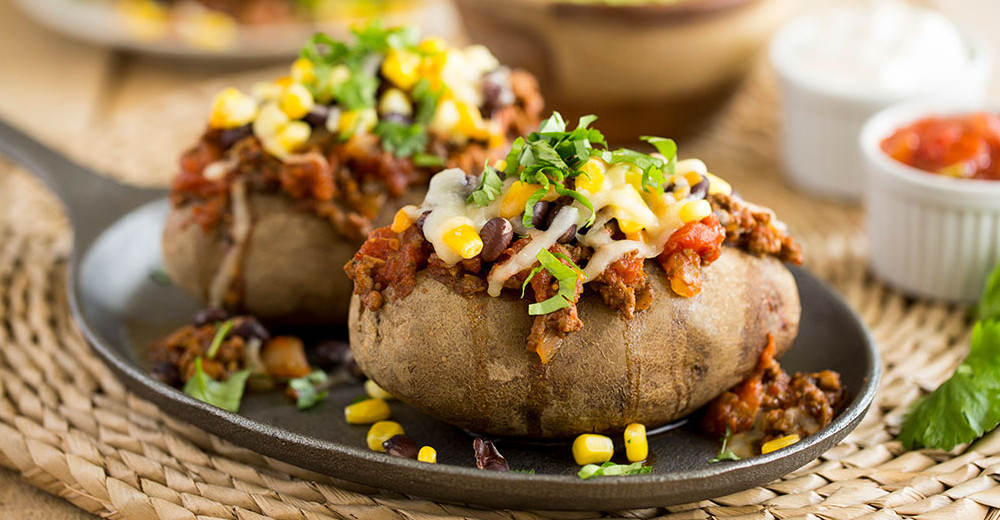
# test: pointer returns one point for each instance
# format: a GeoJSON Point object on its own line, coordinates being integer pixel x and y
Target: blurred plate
{"type": "Point", "coordinates": [192, 32]}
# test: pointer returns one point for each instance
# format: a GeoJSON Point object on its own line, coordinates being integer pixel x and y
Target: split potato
{"type": "Point", "coordinates": [291, 269]}
{"type": "Point", "coordinates": [464, 360]}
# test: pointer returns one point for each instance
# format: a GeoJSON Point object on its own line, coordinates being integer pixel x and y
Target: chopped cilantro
{"type": "Point", "coordinates": [400, 139]}
{"type": "Point", "coordinates": [725, 453]}
{"type": "Point", "coordinates": [224, 394]}
{"type": "Point", "coordinates": [567, 277]}
{"type": "Point", "coordinates": [489, 187]}
{"type": "Point", "coordinates": [965, 406]}
{"type": "Point", "coordinates": [220, 336]}
{"type": "Point", "coordinates": [306, 389]}
{"type": "Point", "coordinates": [425, 160]}
{"type": "Point", "coordinates": [426, 99]}
{"type": "Point", "coordinates": [610, 469]}
{"type": "Point", "coordinates": [160, 276]}
{"type": "Point", "coordinates": [524, 471]}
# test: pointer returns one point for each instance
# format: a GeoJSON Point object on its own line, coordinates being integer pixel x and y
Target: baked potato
{"type": "Point", "coordinates": [286, 183]}
{"type": "Point", "coordinates": [653, 289]}
{"type": "Point", "coordinates": [463, 360]}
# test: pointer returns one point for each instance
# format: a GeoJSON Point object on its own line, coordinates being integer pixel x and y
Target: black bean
{"type": "Point", "coordinates": [400, 446]}
{"type": "Point", "coordinates": [700, 190]}
{"type": "Point", "coordinates": [539, 215]}
{"type": "Point", "coordinates": [167, 373]}
{"type": "Point", "coordinates": [568, 236]}
{"type": "Point", "coordinates": [496, 235]}
{"type": "Point", "coordinates": [616, 232]}
{"type": "Point", "coordinates": [249, 328]}
{"type": "Point", "coordinates": [420, 221]}
{"type": "Point", "coordinates": [210, 315]}
{"type": "Point", "coordinates": [317, 116]}
{"type": "Point", "coordinates": [497, 91]}
{"type": "Point", "coordinates": [231, 136]}
{"type": "Point", "coordinates": [330, 354]}
{"type": "Point", "coordinates": [487, 456]}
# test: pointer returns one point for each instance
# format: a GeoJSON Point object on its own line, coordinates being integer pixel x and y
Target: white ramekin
{"type": "Point", "coordinates": [930, 235]}
{"type": "Point", "coordinates": [821, 123]}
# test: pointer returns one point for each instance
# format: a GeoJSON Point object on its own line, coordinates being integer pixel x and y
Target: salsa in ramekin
{"type": "Point", "coordinates": [963, 146]}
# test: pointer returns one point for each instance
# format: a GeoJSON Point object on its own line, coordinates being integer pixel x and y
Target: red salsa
{"type": "Point", "coordinates": [965, 146]}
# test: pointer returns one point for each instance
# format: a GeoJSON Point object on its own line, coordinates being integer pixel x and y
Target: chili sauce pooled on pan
{"type": "Point", "coordinates": [561, 215]}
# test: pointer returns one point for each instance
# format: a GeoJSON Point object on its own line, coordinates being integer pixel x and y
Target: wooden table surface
{"type": "Point", "coordinates": [57, 88]}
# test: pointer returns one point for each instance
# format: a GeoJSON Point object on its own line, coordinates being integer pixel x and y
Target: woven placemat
{"type": "Point", "coordinates": [70, 428]}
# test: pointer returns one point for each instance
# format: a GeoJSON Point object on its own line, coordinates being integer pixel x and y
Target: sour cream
{"type": "Point", "coordinates": [885, 49]}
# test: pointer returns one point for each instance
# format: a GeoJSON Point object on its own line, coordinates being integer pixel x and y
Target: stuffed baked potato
{"type": "Point", "coordinates": [287, 182]}
{"type": "Point", "coordinates": [654, 289]}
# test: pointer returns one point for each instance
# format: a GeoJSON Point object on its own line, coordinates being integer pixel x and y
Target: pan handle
{"type": "Point", "coordinates": [92, 201]}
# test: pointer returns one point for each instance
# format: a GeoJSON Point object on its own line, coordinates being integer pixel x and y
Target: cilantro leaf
{"type": "Point", "coordinates": [989, 302]}
{"type": "Point", "coordinates": [220, 336]}
{"type": "Point", "coordinates": [400, 139]}
{"type": "Point", "coordinates": [425, 160]}
{"type": "Point", "coordinates": [529, 206]}
{"type": "Point", "coordinates": [489, 188]}
{"type": "Point", "coordinates": [524, 471]}
{"type": "Point", "coordinates": [567, 277]}
{"type": "Point", "coordinates": [224, 394]}
{"type": "Point", "coordinates": [426, 99]}
{"type": "Point", "coordinates": [966, 405]}
{"type": "Point", "coordinates": [610, 469]}
{"type": "Point", "coordinates": [306, 391]}
{"type": "Point", "coordinates": [724, 452]}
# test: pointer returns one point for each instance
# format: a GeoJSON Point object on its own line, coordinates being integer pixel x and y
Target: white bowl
{"type": "Point", "coordinates": [821, 122]}
{"type": "Point", "coordinates": [930, 235]}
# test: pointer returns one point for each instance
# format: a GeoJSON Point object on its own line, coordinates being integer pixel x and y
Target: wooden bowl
{"type": "Point", "coordinates": [644, 68]}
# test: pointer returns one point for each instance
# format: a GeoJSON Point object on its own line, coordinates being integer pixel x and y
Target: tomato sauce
{"type": "Point", "coordinates": [964, 146]}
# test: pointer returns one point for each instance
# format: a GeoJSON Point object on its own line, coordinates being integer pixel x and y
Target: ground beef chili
{"type": "Point", "coordinates": [771, 404]}
{"type": "Point", "coordinates": [392, 260]}
{"type": "Point", "coordinates": [752, 229]}
{"type": "Point", "coordinates": [346, 182]}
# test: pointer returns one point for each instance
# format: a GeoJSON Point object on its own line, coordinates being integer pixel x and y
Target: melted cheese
{"type": "Point", "coordinates": [648, 218]}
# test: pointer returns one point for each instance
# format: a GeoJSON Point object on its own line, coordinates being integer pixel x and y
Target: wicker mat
{"type": "Point", "coordinates": [70, 428]}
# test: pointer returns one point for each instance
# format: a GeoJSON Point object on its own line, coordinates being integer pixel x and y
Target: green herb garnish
{"type": "Point", "coordinates": [224, 394]}
{"type": "Point", "coordinates": [567, 277]}
{"type": "Point", "coordinates": [610, 469]}
{"type": "Point", "coordinates": [160, 276]}
{"type": "Point", "coordinates": [524, 471]}
{"type": "Point", "coordinates": [489, 187]}
{"type": "Point", "coordinates": [307, 391]}
{"type": "Point", "coordinates": [967, 405]}
{"type": "Point", "coordinates": [725, 453]}
{"type": "Point", "coordinates": [220, 336]}
{"type": "Point", "coordinates": [400, 139]}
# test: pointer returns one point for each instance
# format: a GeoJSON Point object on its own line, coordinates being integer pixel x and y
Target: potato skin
{"type": "Point", "coordinates": [464, 360]}
{"type": "Point", "coordinates": [293, 267]}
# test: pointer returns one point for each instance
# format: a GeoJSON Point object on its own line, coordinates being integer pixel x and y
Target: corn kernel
{"type": "Point", "coordinates": [628, 226]}
{"type": "Point", "coordinates": [266, 91]}
{"type": "Point", "coordinates": [593, 175]}
{"type": "Point", "coordinates": [692, 178]}
{"type": "Point", "coordinates": [445, 119]}
{"type": "Point", "coordinates": [695, 210]}
{"type": "Point", "coordinates": [359, 121]}
{"type": "Point", "coordinates": [367, 412]}
{"type": "Point", "coordinates": [777, 444]}
{"type": "Point", "coordinates": [381, 432]}
{"type": "Point", "coordinates": [395, 101]}
{"type": "Point", "coordinates": [401, 67]}
{"type": "Point", "coordinates": [284, 81]}
{"type": "Point", "coordinates": [636, 445]}
{"type": "Point", "coordinates": [296, 101]}
{"type": "Point", "coordinates": [303, 71]}
{"type": "Point", "coordinates": [231, 109]}
{"type": "Point", "coordinates": [590, 448]}
{"type": "Point", "coordinates": [718, 185]}
{"type": "Point", "coordinates": [338, 75]}
{"type": "Point", "coordinates": [500, 165]}
{"type": "Point", "coordinates": [470, 121]}
{"type": "Point", "coordinates": [427, 454]}
{"type": "Point", "coordinates": [293, 135]}
{"type": "Point", "coordinates": [145, 19]}
{"type": "Point", "coordinates": [376, 392]}
{"type": "Point", "coordinates": [401, 222]}
{"type": "Point", "coordinates": [269, 121]}
{"type": "Point", "coordinates": [516, 197]}
{"type": "Point", "coordinates": [432, 45]}
{"type": "Point", "coordinates": [464, 240]}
